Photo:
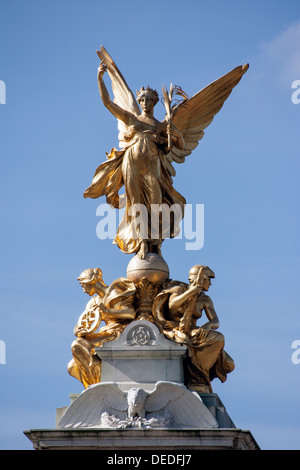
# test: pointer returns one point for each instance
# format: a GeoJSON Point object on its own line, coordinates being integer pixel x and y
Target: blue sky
{"type": "Point", "coordinates": [55, 132]}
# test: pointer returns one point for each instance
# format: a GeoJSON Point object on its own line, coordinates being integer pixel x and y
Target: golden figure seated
{"type": "Point", "coordinates": [114, 306]}
{"type": "Point", "coordinates": [178, 308]}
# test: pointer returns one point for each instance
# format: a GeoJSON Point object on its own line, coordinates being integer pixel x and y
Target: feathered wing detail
{"type": "Point", "coordinates": [123, 96]}
{"type": "Point", "coordinates": [88, 407]}
{"type": "Point", "coordinates": [193, 115]}
{"type": "Point", "coordinates": [175, 400]}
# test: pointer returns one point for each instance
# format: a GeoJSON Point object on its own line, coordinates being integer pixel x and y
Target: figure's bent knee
{"type": "Point", "coordinates": [79, 344]}
{"type": "Point", "coordinates": [71, 366]}
{"type": "Point", "coordinates": [219, 337]}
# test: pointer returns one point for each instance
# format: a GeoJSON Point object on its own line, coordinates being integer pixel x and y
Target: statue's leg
{"type": "Point", "coordinates": [204, 358]}
{"type": "Point", "coordinates": [85, 367]}
{"type": "Point", "coordinates": [157, 220]}
{"type": "Point", "coordinates": [143, 249]}
{"type": "Point", "coordinates": [134, 192]}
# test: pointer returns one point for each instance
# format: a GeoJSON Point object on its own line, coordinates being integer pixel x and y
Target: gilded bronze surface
{"type": "Point", "coordinates": [144, 166]}
{"type": "Point", "coordinates": [113, 305]}
{"type": "Point", "coordinates": [174, 306]}
{"type": "Point", "coordinates": [177, 309]}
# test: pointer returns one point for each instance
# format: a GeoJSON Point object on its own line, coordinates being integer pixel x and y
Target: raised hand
{"type": "Point", "coordinates": [101, 69]}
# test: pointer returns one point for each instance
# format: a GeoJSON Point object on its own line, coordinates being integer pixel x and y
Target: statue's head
{"type": "Point", "coordinates": [136, 398]}
{"type": "Point", "coordinates": [201, 274]}
{"type": "Point", "coordinates": [147, 97]}
{"type": "Point", "coordinates": [89, 278]}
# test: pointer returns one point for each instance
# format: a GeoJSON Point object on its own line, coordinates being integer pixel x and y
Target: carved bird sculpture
{"type": "Point", "coordinates": [169, 401]}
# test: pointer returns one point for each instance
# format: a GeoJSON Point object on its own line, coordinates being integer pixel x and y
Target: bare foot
{"type": "Point", "coordinates": [143, 250]}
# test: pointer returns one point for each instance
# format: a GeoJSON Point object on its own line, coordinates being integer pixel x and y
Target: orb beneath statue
{"type": "Point", "coordinates": [153, 268]}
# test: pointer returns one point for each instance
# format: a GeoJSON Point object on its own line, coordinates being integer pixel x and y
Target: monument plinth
{"type": "Point", "coordinates": [142, 404]}
{"type": "Point", "coordinates": [141, 357]}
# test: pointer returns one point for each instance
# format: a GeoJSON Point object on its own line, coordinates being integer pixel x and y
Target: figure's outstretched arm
{"type": "Point", "coordinates": [115, 109]}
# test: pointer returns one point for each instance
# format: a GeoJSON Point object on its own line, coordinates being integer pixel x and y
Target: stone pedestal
{"type": "Point", "coordinates": [142, 358]}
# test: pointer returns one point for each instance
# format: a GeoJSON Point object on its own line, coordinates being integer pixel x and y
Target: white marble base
{"type": "Point", "coordinates": [154, 440]}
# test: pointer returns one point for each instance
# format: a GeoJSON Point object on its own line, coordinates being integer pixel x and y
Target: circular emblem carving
{"type": "Point", "coordinates": [90, 319]}
{"type": "Point", "coordinates": [141, 336]}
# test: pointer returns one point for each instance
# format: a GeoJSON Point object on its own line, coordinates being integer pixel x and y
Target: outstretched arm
{"type": "Point", "coordinates": [115, 109]}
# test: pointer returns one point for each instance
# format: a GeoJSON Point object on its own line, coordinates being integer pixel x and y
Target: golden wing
{"type": "Point", "coordinates": [193, 115]}
{"type": "Point", "coordinates": [123, 96]}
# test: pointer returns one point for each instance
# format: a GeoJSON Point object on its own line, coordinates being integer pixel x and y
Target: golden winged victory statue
{"type": "Point", "coordinates": [143, 164]}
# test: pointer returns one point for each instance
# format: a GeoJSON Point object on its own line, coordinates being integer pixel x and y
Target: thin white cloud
{"type": "Point", "coordinates": [281, 55]}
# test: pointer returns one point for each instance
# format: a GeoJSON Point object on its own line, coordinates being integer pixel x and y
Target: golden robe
{"type": "Point", "coordinates": [142, 168]}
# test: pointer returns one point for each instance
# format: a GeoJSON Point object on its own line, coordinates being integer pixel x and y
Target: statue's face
{"type": "Point", "coordinates": [146, 103]}
{"type": "Point", "coordinates": [88, 288]}
{"type": "Point", "coordinates": [206, 283]}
